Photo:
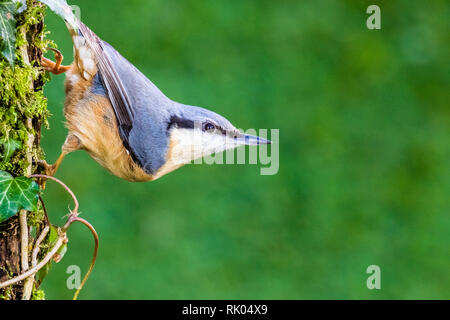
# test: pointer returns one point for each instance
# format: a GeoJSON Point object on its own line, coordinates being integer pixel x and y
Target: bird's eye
{"type": "Point", "coordinates": [209, 127]}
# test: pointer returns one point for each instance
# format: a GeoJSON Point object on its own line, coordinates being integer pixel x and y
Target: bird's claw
{"type": "Point", "coordinates": [54, 67]}
{"type": "Point", "coordinates": [49, 168]}
{"type": "Point", "coordinates": [58, 55]}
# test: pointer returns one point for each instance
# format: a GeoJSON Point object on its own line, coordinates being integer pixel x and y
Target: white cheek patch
{"type": "Point", "coordinates": [191, 144]}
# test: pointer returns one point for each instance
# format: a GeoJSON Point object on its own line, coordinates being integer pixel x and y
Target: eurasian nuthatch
{"type": "Point", "coordinates": [125, 122]}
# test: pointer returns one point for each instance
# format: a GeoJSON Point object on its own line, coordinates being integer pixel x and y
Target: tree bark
{"type": "Point", "coordinates": [22, 115]}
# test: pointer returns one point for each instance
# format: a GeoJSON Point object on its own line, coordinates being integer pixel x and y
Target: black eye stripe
{"type": "Point", "coordinates": [221, 130]}
{"type": "Point", "coordinates": [180, 122]}
{"type": "Point", "coordinates": [189, 124]}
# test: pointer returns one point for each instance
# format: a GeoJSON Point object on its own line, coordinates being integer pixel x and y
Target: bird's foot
{"type": "Point", "coordinates": [49, 169]}
{"type": "Point", "coordinates": [54, 67]}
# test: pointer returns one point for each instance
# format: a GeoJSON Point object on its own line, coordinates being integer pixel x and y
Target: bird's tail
{"type": "Point", "coordinates": [86, 47]}
{"type": "Point", "coordinates": [85, 42]}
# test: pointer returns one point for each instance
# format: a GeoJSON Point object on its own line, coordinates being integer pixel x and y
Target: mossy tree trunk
{"type": "Point", "coordinates": [23, 111]}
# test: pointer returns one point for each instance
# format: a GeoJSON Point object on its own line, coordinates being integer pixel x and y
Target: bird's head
{"type": "Point", "coordinates": [195, 132]}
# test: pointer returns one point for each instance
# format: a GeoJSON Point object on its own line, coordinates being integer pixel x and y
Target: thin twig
{"type": "Point", "coordinates": [75, 209]}
{"type": "Point", "coordinates": [23, 239]}
{"type": "Point", "coordinates": [73, 216]}
{"type": "Point", "coordinates": [28, 285]}
{"type": "Point", "coordinates": [94, 257]}
{"type": "Point", "coordinates": [37, 245]}
{"type": "Point", "coordinates": [47, 221]}
{"type": "Point", "coordinates": [51, 253]}
{"type": "Point", "coordinates": [59, 242]}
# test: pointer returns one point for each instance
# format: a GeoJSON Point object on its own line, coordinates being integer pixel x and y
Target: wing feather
{"type": "Point", "coordinates": [141, 109]}
{"type": "Point", "coordinates": [115, 88]}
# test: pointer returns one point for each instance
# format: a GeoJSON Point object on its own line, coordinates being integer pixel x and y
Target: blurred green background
{"type": "Point", "coordinates": [364, 154]}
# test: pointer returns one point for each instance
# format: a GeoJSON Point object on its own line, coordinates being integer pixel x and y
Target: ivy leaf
{"type": "Point", "coordinates": [15, 194]}
{"type": "Point", "coordinates": [53, 235]}
{"type": "Point", "coordinates": [8, 30]}
{"type": "Point", "coordinates": [9, 147]}
{"type": "Point", "coordinates": [62, 9]}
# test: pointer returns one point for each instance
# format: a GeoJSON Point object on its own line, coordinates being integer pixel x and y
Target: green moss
{"type": "Point", "coordinates": [21, 95]}
{"type": "Point", "coordinates": [6, 294]}
{"type": "Point", "coordinates": [34, 219]}
{"type": "Point", "coordinates": [38, 295]}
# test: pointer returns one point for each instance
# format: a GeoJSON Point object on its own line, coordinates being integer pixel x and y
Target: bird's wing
{"type": "Point", "coordinates": [140, 107]}
{"type": "Point", "coordinates": [115, 88]}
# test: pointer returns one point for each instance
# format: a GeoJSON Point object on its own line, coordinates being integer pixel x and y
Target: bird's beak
{"type": "Point", "coordinates": [249, 140]}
